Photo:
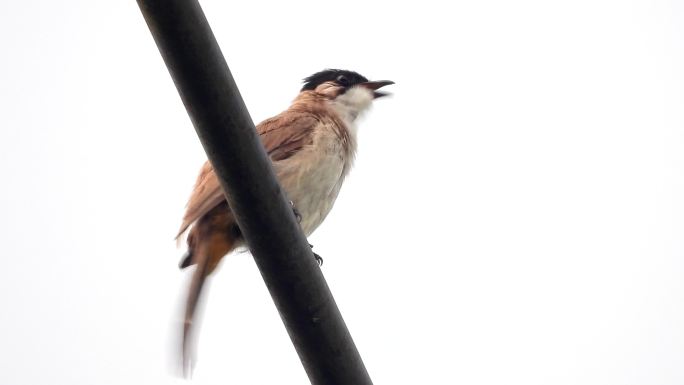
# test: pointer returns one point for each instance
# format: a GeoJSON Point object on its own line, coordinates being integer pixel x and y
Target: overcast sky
{"type": "Point", "coordinates": [515, 215]}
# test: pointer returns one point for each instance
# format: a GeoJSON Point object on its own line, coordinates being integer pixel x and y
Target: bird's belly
{"type": "Point", "coordinates": [312, 180]}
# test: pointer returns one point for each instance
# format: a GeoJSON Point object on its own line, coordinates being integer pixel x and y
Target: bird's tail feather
{"type": "Point", "coordinates": [186, 260]}
{"type": "Point", "coordinates": [206, 258]}
{"type": "Point", "coordinates": [196, 284]}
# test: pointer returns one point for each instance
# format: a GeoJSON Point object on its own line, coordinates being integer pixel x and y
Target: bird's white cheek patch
{"type": "Point", "coordinates": [355, 101]}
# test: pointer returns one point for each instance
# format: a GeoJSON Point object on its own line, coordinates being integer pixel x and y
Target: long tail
{"type": "Point", "coordinates": [206, 256]}
{"type": "Point", "coordinates": [194, 291]}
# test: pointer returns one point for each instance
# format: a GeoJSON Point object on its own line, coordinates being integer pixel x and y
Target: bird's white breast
{"type": "Point", "coordinates": [313, 177]}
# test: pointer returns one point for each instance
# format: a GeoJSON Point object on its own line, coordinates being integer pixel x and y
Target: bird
{"type": "Point", "coordinates": [311, 145]}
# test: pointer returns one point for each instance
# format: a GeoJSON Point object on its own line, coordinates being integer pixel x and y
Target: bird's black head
{"type": "Point", "coordinates": [343, 78]}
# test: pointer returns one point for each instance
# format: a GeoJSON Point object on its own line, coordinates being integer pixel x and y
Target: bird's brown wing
{"type": "Point", "coordinates": [206, 195]}
{"type": "Point", "coordinates": [282, 136]}
{"type": "Point", "coordinates": [285, 134]}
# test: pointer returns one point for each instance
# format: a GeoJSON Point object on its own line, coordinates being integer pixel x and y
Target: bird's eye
{"type": "Point", "coordinates": [342, 80]}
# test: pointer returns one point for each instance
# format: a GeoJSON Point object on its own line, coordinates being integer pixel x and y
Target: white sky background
{"type": "Point", "coordinates": [515, 216]}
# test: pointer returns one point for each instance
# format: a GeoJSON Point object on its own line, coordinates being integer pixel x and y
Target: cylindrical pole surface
{"type": "Point", "coordinates": [268, 225]}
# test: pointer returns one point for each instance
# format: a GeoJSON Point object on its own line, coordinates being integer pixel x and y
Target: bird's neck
{"type": "Point", "coordinates": [327, 109]}
{"type": "Point", "coordinates": [347, 106]}
{"type": "Point", "coordinates": [309, 101]}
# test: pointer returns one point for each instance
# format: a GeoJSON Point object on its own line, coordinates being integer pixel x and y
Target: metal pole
{"type": "Point", "coordinates": [268, 225]}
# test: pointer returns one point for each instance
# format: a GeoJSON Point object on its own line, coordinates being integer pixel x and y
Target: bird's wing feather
{"type": "Point", "coordinates": [285, 134]}
{"type": "Point", "coordinates": [206, 195]}
{"type": "Point", "coordinates": [282, 136]}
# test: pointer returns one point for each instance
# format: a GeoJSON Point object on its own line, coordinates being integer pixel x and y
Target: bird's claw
{"type": "Point", "coordinates": [297, 215]}
{"type": "Point", "coordinates": [317, 257]}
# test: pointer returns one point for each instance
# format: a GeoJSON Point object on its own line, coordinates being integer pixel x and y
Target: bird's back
{"type": "Point", "coordinates": [311, 149]}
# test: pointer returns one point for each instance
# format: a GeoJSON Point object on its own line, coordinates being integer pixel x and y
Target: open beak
{"type": "Point", "coordinates": [374, 86]}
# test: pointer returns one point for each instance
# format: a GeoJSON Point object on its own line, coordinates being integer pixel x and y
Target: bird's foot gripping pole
{"type": "Point", "coordinates": [296, 213]}
{"type": "Point", "coordinates": [298, 216]}
{"type": "Point", "coordinates": [318, 258]}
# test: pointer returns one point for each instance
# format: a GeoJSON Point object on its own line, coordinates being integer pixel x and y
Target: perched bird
{"type": "Point", "coordinates": [312, 146]}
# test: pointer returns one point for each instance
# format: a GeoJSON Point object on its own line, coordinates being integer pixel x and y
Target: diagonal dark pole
{"type": "Point", "coordinates": [280, 250]}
